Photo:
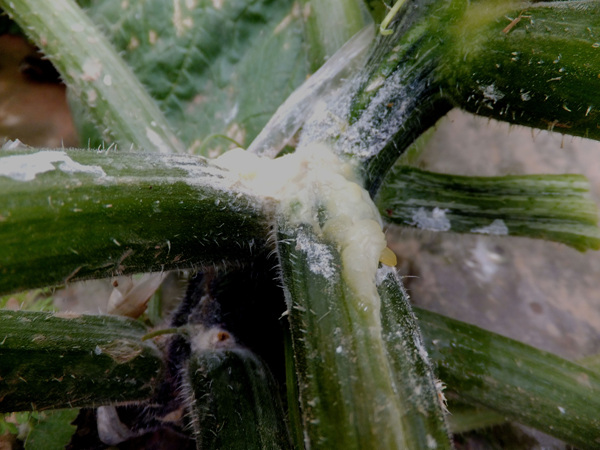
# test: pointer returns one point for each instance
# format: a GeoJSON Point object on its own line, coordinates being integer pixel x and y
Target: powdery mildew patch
{"type": "Point", "coordinates": [319, 258]}
{"type": "Point", "coordinates": [497, 227]}
{"type": "Point", "coordinates": [27, 167]}
{"type": "Point", "coordinates": [434, 220]}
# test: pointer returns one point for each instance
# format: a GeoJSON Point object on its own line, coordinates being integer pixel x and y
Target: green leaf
{"type": "Point", "coordinates": [526, 385]}
{"type": "Point", "coordinates": [329, 24]}
{"type": "Point", "coordinates": [51, 431]}
{"type": "Point", "coordinates": [34, 300]}
{"type": "Point", "coordinates": [215, 67]}
{"type": "Point", "coordinates": [554, 207]}
{"type": "Point", "coordinates": [7, 426]}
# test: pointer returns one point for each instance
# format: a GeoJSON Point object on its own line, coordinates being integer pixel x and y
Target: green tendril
{"type": "Point", "coordinates": [383, 28]}
{"type": "Point", "coordinates": [160, 332]}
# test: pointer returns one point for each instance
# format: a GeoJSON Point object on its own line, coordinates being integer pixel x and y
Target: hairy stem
{"type": "Point", "coordinates": [67, 360]}
{"type": "Point", "coordinates": [525, 384]}
{"type": "Point", "coordinates": [353, 393]}
{"type": "Point", "coordinates": [73, 214]}
{"type": "Point", "coordinates": [89, 65]}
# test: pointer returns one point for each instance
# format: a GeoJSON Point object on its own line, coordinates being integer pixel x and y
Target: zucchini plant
{"type": "Point", "coordinates": [296, 331]}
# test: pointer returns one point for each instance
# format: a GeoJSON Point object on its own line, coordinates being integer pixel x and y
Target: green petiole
{"type": "Point", "coordinates": [383, 28]}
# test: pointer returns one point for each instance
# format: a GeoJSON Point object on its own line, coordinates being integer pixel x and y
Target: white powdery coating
{"type": "Point", "coordinates": [303, 102]}
{"type": "Point", "coordinates": [484, 261]}
{"type": "Point", "coordinates": [491, 92]}
{"type": "Point", "coordinates": [434, 220]}
{"type": "Point", "coordinates": [431, 442]}
{"type": "Point", "coordinates": [320, 259]}
{"type": "Point", "coordinates": [497, 227]}
{"type": "Point", "coordinates": [155, 138]}
{"type": "Point", "coordinates": [92, 69]}
{"type": "Point", "coordinates": [27, 167]}
{"type": "Point", "coordinates": [383, 273]}
{"type": "Point", "coordinates": [366, 137]}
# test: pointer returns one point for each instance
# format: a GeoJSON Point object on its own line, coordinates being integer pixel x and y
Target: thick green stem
{"type": "Point", "coordinates": [235, 403]}
{"type": "Point", "coordinates": [413, 372]}
{"type": "Point", "coordinates": [73, 214]}
{"type": "Point", "coordinates": [535, 64]}
{"type": "Point", "coordinates": [89, 65]}
{"type": "Point", "coordinates": [66, 360]}
{"type": "Point", "coordinates": [352, 393]}
{"type": "Point", "coordinates": [554, 207]}
{"type": "Point", "coordinates": [539, 68]}
{"type": "Point", "coordinates": [525, 384]}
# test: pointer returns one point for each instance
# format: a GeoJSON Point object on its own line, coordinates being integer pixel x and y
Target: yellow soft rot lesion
{"type": "Point", "coordinates": [312, 179]}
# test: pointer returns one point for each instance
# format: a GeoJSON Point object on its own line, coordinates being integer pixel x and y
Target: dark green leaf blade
{"type": "Point", "coordinates": [215, 67]}
{"type": "Point", "coordinates": [52, 430]}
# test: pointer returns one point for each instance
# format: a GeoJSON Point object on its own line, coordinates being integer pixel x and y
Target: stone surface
{"type": "Point", "coordinates": [542, 293]}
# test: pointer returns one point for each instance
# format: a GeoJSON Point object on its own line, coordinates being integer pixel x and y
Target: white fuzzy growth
{"type": "Point", "coordinates": [434, 220]}
{"type": "Point", "coordinates": [383, 273]}
{"type": "Point", "coordinates": [491, 93]}
{"type": "Point", "coordinates": [431, 442]}
{"type": "Point", "coordinates": [305, 100]}
{"type": "Point", "coordinates": [92, 69]}
{"type": "Point", "coordinates": [484, 261]}
{"type": "Point", "coordinates": [497, 227]}
{"type": "Point", "coordinates": [366, 137]}
{"type": "Point", "coordinates": [320, 259]}
{"type": "Point", "coordinates": [311, 184]}
{"type": "Point", "coordinates": [155, 138]}
{"type": "Point", "coordinates": [27, 167]}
